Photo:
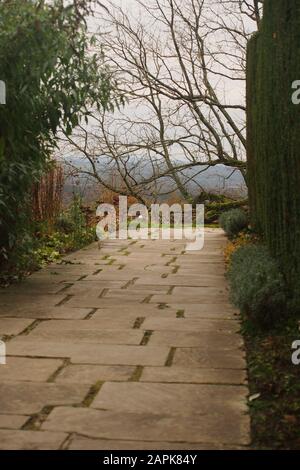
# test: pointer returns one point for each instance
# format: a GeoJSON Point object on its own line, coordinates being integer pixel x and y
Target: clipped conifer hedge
{"type": "Point", "coordinates": [273, 123]}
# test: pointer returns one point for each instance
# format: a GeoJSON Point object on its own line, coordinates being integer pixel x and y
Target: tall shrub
{"type": "Point", "coordinates": [52, 79]}
{"type": "Point", "coordinates": [274, 134]}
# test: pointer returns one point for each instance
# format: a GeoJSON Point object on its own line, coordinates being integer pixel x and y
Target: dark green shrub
{"type": "Point", "coordinates": [64, 224]}
{"type": "Point", "coordinates": [52, 83]}
{"type": "Point", "coordinates": [273, 137]}
{"type": "Point", "coordinates": [73, 222]}
{"type": "Point", "coordinates": [257, 286]}
{"type": "Point", "coordinates": [215, 208]}
{"type": "Point", "coordinates": [233, 222]}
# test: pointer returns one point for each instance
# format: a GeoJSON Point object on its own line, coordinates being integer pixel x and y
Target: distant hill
{"type": "Point", "coordinates": [218, 179]}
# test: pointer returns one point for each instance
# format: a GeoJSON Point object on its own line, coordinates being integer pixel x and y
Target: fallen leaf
{"type": "Point", "coordinates": [254, 397]}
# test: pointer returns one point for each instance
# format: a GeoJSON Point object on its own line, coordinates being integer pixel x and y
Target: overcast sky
{"type": "Point", "coordinates": [234, 91]}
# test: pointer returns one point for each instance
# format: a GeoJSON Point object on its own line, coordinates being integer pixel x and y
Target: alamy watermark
{"type": "Point", "coordinates": [296, 94]}
{"type": "Point", "coordinates": [2, 353]}
{"type": "Point", "coordinates": [2, 92]}
{"type": "Point", "coordinates": [296, 353]}
{"type": "Point", "coordinates": [160, 221]}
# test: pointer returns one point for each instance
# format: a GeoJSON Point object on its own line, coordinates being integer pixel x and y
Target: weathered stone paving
{"type": "Point", "coordinates": [133, 346]}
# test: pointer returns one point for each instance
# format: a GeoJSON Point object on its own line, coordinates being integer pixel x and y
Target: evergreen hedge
{"type": "Point", "coordinates": [273, 124]}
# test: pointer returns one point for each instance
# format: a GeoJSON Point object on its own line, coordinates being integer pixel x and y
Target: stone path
{"type": "Point", "coordinates": [134, 346]}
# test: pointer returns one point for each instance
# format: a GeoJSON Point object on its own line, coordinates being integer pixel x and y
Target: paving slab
{"type": "Point", "coordinates": [43, 312]}
{"type": "Point", "coordinates": [183, 281]}
{"type": "Point", "coordinates": [198, 292]}
{"type": "Point", "coordinates": [101, 336]}
{"type": "Point", "coordinates": [208, 340]}
{"type": "Point", "coordinates": [190, 324]}
{"type": "Point", "coordinates": [94, 288]}
{"type": "Point", "coordinates": [84, 353]}
{"type": "Point", "coordinates": [150, 427]}
{"type": "Point", "coordinates": [28, 369]}
{"type": "Point", "coordinates": [45, 278]}
{"type": "Point", "coordinates": [171, 399]}
{"type": "Point", "coordinates": [12, 421]}
{"type": "Point", "coordinates": [210, 358]}
{"type": "Point", "coordinates": [11, 298]}
{"type": "Point", "coordinates": [87, 374]}
{"type": "Point", "coordinates": [204, 298]}
{"type": "Point", "coordinates": [208, 311]}
{"type": "Point", "coordinates": [81, 443]}
{"type": "Point", "coordinates": [13, 326]}
{"type": "Point", "coordinates": [124, 295]}
{"type": "Point", "coordinates": [29, 397]}
{"type": "Point", "coordinates": [97, 323]}
{"type": "Point", "coordinates": [134, 311]}
{"type": "Point", "coordinates": [31, 440]}
{"type": "Point", "coordinates": [177, 374]}
{"type": "Point", "coordinates": [36, 288]}
{"type": "Point", "coordinates": [153, 268]}
{"type": "Point", "coordinates": [198, 269]}
{"type": "Point", "coordinates": [157, 287]}
{"type": "Point", "coordinates": [114, 275]}
{"type": "Point", "coordinates": [136, 293]}
{"type": "Point", "coordinates": [96, 302]}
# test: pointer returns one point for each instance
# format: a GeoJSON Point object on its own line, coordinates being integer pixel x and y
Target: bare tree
{"type": "Point", "coordinates": [181, 65]}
